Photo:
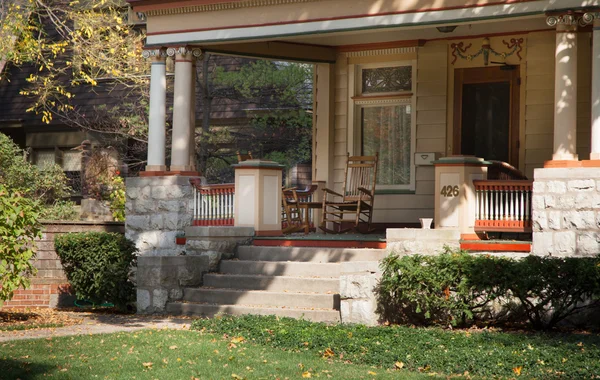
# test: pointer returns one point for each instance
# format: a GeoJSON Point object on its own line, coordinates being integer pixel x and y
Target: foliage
{"type": "Point", "coordinates": [280, 128]}
{"type": "Point", "coordinates": [18, 174]}
{"type": "Point", "coordinates": [479, 353]}
{"type": "Point", "coordinates": [458, 288]}
{"type": "Point", "coordinates": [98, 266]}
{"type": "Point", "coordinates": [81, 42]}
{"type": "Point", "coordinates": [117, 199]}
{"type": "Point", "coordinates": [60, 210]}
{"type": "Point", "coordinates": [170, 355]}
{"type": "Point", "coordinates": [19, 226]}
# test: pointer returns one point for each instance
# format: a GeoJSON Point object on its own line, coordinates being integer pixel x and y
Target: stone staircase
{"type": "Point", "coordinates": [282, 281]}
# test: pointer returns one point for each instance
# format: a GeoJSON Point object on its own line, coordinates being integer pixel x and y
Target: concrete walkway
{"type": "Point", "coordinates": [101, 324]}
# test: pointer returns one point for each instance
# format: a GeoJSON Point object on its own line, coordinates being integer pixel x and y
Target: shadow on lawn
{"type": "Point", "coordinates": [23, 369]}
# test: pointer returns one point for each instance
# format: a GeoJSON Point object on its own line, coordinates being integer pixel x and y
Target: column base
{"type": "Point", "coordinates": [181, 168]}
{"type": "Point", "coordinates": [156, 168]}
{"type": "Point", "coordinates": [169, 173]}
{"type": "Point", "coordinates": [562, 164]}
{"type": "Point", "coordinates": [594, 156]}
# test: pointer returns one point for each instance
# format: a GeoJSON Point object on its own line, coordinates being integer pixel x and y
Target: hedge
{"type": "Point", "coordinates": [98, 266]}
{"type": "Point", "coordinates": [458, 288]}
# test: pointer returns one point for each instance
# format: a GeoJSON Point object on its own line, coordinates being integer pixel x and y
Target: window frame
{"type": "Point", "coordinates": [358, 101]}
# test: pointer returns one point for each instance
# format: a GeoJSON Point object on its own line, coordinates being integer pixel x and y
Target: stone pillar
{"type": "Point", "coordinates": [182, 108]}
{"type": "Point", "coordinates": [565, 87]}
{"type": "Point", "coordinates": [158, 208]}
{"type": "Point", "coordinates": [157, 117]}
{"type": "Point", "coordinates": [595, 18]}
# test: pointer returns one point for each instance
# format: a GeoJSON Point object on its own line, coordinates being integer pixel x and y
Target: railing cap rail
{"type": "Point", "coordinates": [500, 182]}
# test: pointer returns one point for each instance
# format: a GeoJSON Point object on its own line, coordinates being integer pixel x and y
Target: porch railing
{"type": "Point", "coordinates": [213, 204]}
{"type": "Point", "coordinates": [503, 206]}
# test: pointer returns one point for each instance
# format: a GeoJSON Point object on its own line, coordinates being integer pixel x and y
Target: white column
{"type": "Point", "coordinates": [565, 87]}
{"type": "Point", "coordinates": [595, 153]}
{"type": "Point", "coordinates": [193, 119]}
{"type": "Point", "coordinates": [157, 115]}
{"type": "Point", "coordinates": [182, 105]}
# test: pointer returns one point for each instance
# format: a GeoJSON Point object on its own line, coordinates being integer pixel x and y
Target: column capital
{"type": "Point", "coordinates": [567, 21]}
{"type": "Point", "coordinates": [184, 51]}
{"type": "Point", "coordinates": [155, 54]}
{"type": "Point", "coordinates": [591, 17]}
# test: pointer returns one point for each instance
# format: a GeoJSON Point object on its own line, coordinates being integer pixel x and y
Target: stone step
{"type": "Point", "coordinates": [261, 298]}
{"type": "Point", "coordinates": [210, 310]}
{"type": "Point", "coordinates": [280, 268]}
{"type": "Point", "coordinates": [314, 255]}
{"type": "Point", "coordinates": [272, 283]}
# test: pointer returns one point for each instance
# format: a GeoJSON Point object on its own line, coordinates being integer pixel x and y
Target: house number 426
{"type": "Point", "coordinates": [450, 191]}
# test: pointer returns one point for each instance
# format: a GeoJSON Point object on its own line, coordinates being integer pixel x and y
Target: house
{"type": "Point", "coordinates": [429, 85]}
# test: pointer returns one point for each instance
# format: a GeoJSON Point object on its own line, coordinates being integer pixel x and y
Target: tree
{"type": "Point", "coordinates": [278, 96]}
{"type": "Point", "coordinates": [78, 47]}
{"type": "Point", "coordinates": [19, 226]}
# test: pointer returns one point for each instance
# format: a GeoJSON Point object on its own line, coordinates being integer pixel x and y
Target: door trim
{"type": "Point", "coordinates": [489, 75]}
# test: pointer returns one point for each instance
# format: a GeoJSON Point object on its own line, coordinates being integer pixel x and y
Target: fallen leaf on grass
{"type": "Point", "coordinates": [328, 353]}
{"type": "Point", "coordinates": [399, 365]}
{"type": "Point", "coordinates": [372, 373]}
{"type": "Point", "coordinates": [147, 365]}
{"type": "Point", "coordinates": [517, 370]}
{"type": "Point", "coordinates": [306, 375]}
{"type": "Point", "coordinates": [173, 348]}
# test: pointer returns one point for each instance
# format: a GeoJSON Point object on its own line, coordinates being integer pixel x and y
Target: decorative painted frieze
{"type": "Point", "coordinates": [514, 46]}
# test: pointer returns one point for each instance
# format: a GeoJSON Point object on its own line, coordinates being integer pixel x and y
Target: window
{"type": "Point", "coordinates": [384, 121]}
{"type": "Point", "coordinates": [69, 160]}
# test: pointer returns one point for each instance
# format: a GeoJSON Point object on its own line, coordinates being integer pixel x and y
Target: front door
{"type": "Point", "coordinates": [486, 113]}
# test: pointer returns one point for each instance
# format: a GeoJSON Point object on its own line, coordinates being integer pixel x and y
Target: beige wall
{"type": "Point", "coordinates": [434, 112]}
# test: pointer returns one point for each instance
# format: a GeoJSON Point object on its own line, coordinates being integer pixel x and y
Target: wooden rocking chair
{"type": "Point", "coordinates": [357, 198]}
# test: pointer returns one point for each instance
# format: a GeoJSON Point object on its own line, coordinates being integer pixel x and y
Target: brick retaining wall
{"type": "Point", "coordinates": [50, 288]}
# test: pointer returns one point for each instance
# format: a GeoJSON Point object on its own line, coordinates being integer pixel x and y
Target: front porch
{"type": "Point", "coordinates": [444, 96]}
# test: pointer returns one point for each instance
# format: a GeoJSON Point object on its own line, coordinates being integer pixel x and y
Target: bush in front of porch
{"type": "Point", "coordinates": [458, 288]}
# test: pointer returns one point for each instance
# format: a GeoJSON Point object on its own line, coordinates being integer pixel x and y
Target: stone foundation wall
{"type": "Point", "coordinates": [161, 279]}
{"type": "Point", "coordinates": [358, 300]}
{"type": "Point", "coordinates": [157, 209]}
{"type": "Point", "coordinates": [566, 212]}
{"type": "Point", "coordinates": [216, 243]}
{"type": "Point", "coordinates": [413, 241]}
{"type": "Point", "coordinates": [50, 287]}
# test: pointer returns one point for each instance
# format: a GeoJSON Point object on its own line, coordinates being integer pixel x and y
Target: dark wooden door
{"type": "Point", "coordinates": [486, 113]}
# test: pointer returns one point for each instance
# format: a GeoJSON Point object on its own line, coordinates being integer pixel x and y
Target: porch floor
{"type": "Point", "coordinates": [375, 241]}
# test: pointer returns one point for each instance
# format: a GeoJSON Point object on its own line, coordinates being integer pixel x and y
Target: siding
{"type": "Point", "coordinates": [430, 117]}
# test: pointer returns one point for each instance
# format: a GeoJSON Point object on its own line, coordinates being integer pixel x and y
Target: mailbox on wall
{"type": "Point", "coordinates": [426, 159]}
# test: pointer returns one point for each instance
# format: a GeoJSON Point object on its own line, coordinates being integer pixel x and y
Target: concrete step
{"type": "Point", "coordinates": [313, 255]}
{"type": "Point", "coordinates": [280, 268]}
{"type": "Point", "coordinates": [272, 283]}
{"type": "Point", "coordinates": [261, 298]}
{"type": "Point", "coordinates": [210, 310]}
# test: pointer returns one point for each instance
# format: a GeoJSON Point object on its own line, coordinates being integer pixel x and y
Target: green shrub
{"type": "Point", "coordinates": [17, 174]}
{"type": "Point", "coordinates": [98, 266]}
{"type": "Point", "coordinates": [19, 227]}
{"type": "Point", "coordinates": [458, 288]}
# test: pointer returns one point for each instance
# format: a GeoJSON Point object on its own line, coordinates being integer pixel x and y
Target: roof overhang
{"type": "Point", "coordinates": [228, 33]}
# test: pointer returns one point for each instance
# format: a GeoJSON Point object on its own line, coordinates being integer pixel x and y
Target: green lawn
{"type": "Point", "coordinates": [267, 347]}
{"type": "Point", "coordinates": [433, 350]}
{"type": "Point", "coordinates": [168, 354]}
